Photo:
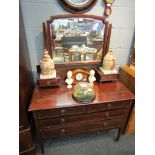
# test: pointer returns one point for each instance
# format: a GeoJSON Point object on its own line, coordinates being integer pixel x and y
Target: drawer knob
{"type": "Point", "coordinates": [109, 105]}
{"type": "Point", "coordinates": [62, 120]}
{"type": "Point", "coordinates": [48, 83]}
{"type": "Point", "coordinates": [107, 114]}
{"type": "Point", "coordinates": [105, 124]}
{"type": "Point", "coordinates": [62, 131]}
{"type": "Point", "coordinates": [62, 111]}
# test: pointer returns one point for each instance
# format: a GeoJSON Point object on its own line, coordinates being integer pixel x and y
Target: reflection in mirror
{"type": "Point", "coordinates": [77, 39]}
{"type": "Point", "coordinates": [78, 2]}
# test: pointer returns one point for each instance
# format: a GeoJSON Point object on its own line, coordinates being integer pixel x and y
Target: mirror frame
{"type": "Point", "coordinates": [77, 9]}
{"type": "Point", "coordinates": [85, 63]}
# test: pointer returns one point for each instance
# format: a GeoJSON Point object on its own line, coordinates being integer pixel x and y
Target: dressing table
{"type": "Point", "coordinates": [55, 112]}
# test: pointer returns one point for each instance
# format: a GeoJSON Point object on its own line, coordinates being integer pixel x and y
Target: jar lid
{"type": "Point", "coordinates": [46, 57]}
{"type": "Point", "coordinates": [109, 56]}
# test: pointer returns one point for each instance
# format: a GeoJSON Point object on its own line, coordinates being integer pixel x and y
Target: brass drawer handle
{"type": "Point", "coordinates": [109, 105]}
{"type": "Point", "coordinates": [62, 120]}
{"type": "Point", "coordinates": [107, 114]}
{"type": "Point", "coordinates": [62, 111]}
{"type": "Point", "coordinates": [105, 123]}
{"type": "Point", "coordinates": [48, 83]}
{"type": "Point", "coordinates": [62, 131]}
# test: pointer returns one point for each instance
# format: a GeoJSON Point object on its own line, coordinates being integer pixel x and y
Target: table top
{"type": "Point", "coordinates": [85, 50]}
{"type": "Point", "coordinates": [50, 98]}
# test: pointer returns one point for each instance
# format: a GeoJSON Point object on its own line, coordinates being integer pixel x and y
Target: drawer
{"type": "Point", "coordinates": [92, 117]}
{"type": "Point", "coordinates": [108, 106]}
{"type": "Point", "coordinates": [48, 82]}
{"type": "Point", "coordinates": [61, 112]}
{"type": "Point", "coordinates": [82, 128]}
{"type": "Point", "coordinates": [109, 77]}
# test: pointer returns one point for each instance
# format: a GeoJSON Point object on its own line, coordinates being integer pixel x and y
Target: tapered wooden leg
{"type": "Point", "coordinates": [40, 143]}
{"type": "Point", "coordinates": [42, 148]}
{"type": "Point", "coordinates": [39, 139]}
{"type": "Point", "coordinates": [118, 135]}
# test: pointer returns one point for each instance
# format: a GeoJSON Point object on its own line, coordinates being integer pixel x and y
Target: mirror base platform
{"type": "Point", "coordinates": [101, 77]}
{"type": "Point", "coordinates": [53, 82]}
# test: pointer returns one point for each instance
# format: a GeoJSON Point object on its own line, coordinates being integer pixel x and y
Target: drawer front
{"type": "Point", "coordinates": [49, 82]}
{"type": "Point", "coordinates": [108, 106]}
{"type": "Point", "coordinates": [110, 77]}
{"type": "Point", "coordinates": [82, 128]}
{"type": "Point", "coordinates": [82, 118]}
{"type": "Point", "coordinates": [61, 112]}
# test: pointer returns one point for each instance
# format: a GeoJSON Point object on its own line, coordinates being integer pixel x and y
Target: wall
{"type": "Point", "coordinates": [122, 18]}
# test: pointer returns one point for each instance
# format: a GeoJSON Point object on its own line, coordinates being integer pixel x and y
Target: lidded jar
{"type": "Point", "coordinates": [46, 64]}
{"type": "Point", "coordinates": [109, 61]}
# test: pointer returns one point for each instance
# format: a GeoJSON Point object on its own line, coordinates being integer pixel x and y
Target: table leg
{"type": "Point", "coordinates": [94, 56]}
{"type": "Point", "coordinates": [38, 132]}
{"type": "Point", "coordinates": [118, 135]}
{"type": "Point", "coordinates": [84, 57]}
{"type": "Point", "coordinates": [41, 145]}
{"type": "Point", "coordinates": [70, 56]}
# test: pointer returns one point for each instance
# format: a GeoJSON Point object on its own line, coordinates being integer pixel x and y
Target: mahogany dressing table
{"type": "Point", "coordinates": [55, 112]}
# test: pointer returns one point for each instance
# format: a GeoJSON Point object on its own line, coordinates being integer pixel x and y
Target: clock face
{"type": "Point", "coordinates": [109, 1]}
{"type": "Point", "coordinates": [77, 6]}
{"type": "Point", "coordinates": [79, 76]}
{"type": "Point", "coordinates": [78, 2]}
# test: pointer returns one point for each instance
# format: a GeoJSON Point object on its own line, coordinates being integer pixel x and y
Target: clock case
{"type": "Point", "coordinates": [77, 67]}
{"type": "Point", "coordinates": [84, 72]}
{"type": "Point", "coordinates": [77, 8]}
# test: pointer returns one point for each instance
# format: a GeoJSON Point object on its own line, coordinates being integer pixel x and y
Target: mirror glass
{"type": "Point", "coordinates": [77, 39]}
{"type": "Point", "coordinates": [78, 2]}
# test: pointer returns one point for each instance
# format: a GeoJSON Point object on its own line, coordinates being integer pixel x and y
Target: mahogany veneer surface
{"type": "Point", "coordinates": [62, 97]}
{"type": "Point", "coordinates": [56, 114]}
{"type": "Point", "coordinates": [81, 128]}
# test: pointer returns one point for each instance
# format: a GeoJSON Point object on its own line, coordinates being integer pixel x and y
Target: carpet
{"type": "Point", "coordinates": [100, 143]}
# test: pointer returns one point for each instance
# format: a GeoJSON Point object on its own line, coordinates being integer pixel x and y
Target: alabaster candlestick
{"type": "Point", "coordinates": [69, 79]}
{"type": "Point", "coordinates": [92, 77]}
